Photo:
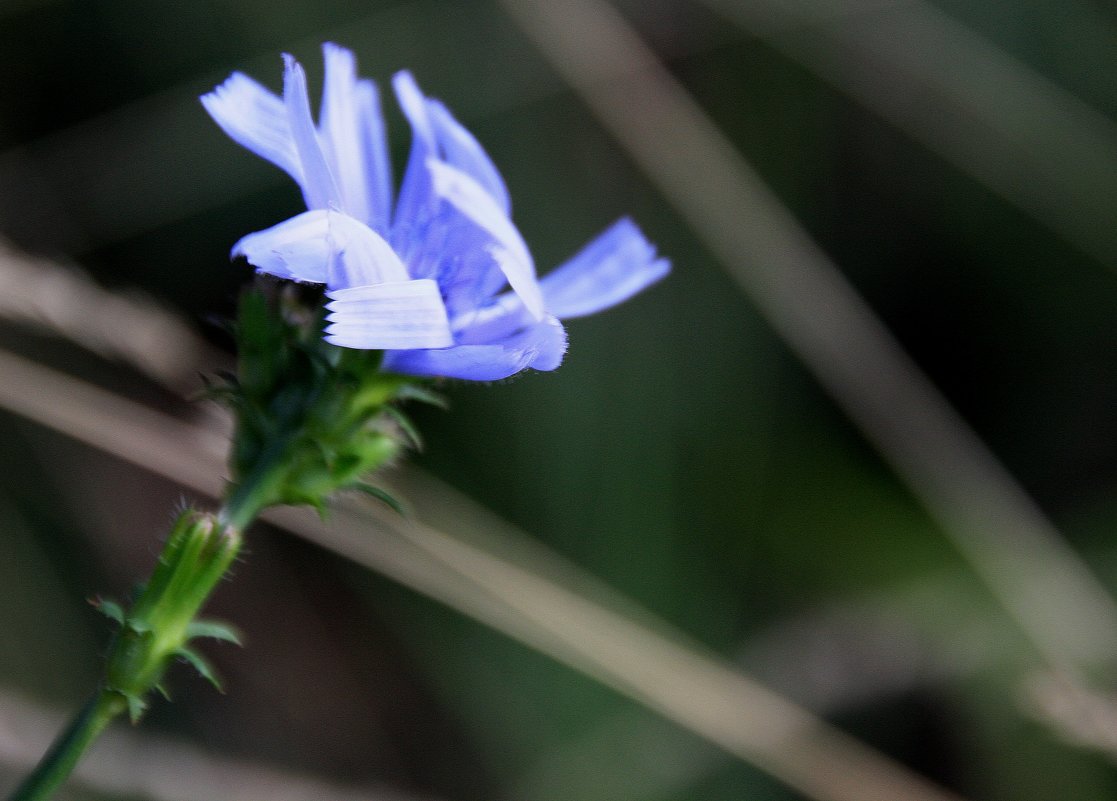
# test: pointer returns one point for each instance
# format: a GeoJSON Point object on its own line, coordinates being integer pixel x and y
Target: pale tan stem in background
{"type": "Point", "coordinates": [124, 763]}
{"type": "Point", "coordinates": [1030, 141]}
{"type": "Point", "coordinates": [1039, 580]}
{"type": "Point", "coordinates": [49, 297]}
{"type": "Point", "coordinates": [698, 691]}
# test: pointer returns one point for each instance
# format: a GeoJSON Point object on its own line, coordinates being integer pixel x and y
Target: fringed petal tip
{"type": "Point", "coordinates": [255, 118]}
{"type": "Point", "coordinates": [343, 55]}
{"type": "Point", "coordinates": [617, 264]}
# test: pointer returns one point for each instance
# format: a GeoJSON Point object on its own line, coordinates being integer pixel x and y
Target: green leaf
{"type": "Point", "coordinates": [163, 691]}
{"type": "Point", "coordinates": [213, 629]}
{"type": "Point", "coordinates": [110, 609]}
{"type": "Point", "coordinates": [406, 426]}
{"type": "Point", "coordinates": [141, 627]}
{"type": "Point", "coordinates": [421, 394]}
{"type": "Point", "coordinates": [384, 496]}
{"type": "Point", "coordinates": [200, 664]}
{"type": "Point", "coordinates": [136, 706]}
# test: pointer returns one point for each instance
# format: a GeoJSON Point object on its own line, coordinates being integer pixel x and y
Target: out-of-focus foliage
{"type": "Point", "coordinates": [681, 453]}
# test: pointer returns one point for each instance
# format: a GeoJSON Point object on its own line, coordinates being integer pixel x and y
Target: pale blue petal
{"type": "Point", "coordinates": [471, 280]}
{"type": "Point", "coordinates": [256, 119]}
{"type": "Point", "coordinates": [414, 106]}
{"type": "Point", "coordinates": [496, 320]}
{"type": "Point", "coordinates": [360, 255]}
{"type": "Point", "coordinates": [541, 346]}
{"type": "Point", "coordinates": [319, 189]}
{"type": "Point", "coordinates": [459, 255]}
{"type": "Point", "coordinates": [511, 253]}
{"type": "Point", "coordinates": [378, 165]}
{"type": "Point", "coordinates": [297, 248]}
{"type": "Point", "coordinates": [420, 280]}
{"type": "Point", "coordinates": [416, 203]}
{"type": "Point", "coordinates": [460, 149]}
{"type": "Point", "coordinates": [472, 362]}
{"type": "Point", "coordinates": [407, 314]}
{"type": "Point", "coordinates": [340, 133]}
{"type": "Point", "coordinates": [612, 268]}
{"type": "Point", "coordinates": [325, 247]}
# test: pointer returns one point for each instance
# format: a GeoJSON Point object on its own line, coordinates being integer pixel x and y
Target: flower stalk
{"type": "Point", "coordinates": [311, 419]}
{"type": "Point", "coordinates": [60, 760]}
{"type": "Point", "coordinates": [155, 631]}
{"type": "Point", "coordinates": [363, 299]}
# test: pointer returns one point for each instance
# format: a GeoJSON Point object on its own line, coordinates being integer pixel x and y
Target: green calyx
{"type": "Point", "coordinates": [311, 418]}
{"type": "Point", "coordinates": [162, 622]}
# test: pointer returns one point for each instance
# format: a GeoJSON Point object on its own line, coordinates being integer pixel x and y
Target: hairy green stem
{"type": "Point", "coordinates": [153, 632]}
{"type": "Point", "coordinates": [258, 490]}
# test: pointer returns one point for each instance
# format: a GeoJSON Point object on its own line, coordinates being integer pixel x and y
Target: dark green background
{"type": "Point", "coordinates": [681, 453]}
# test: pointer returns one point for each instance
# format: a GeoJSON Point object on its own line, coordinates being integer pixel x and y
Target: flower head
{"type": "Point", "coordinates": [438, 276]}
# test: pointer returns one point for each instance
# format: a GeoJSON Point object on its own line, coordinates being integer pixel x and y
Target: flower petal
{"type": "Point", "coordinates": [493, 321]}
{"type": "Point", "coordinates": [612, 268]}
{"type": "Point", "coordinates": [360, 255]}
{"type": "Point", "coordinates": [319, 189]}
{"type": "Point", "coordinates": [256, 119]}
{"type": "Point", "coordinates": [460, 149]}
{"type": "Point", "coordinates": [413, 104]}
{"type": "Point", "coordinates": [325, 247]}
{"type": "Point", "coordinates": [341, 136]}
{"type": "Point", "coordinates": [416, 203]}
{"type": "Point", "coordinates": [467, 196]}
{"type": "Point", "coordinates": [540, 346]}
{"type": "Point", "coordinates": [378, 165]}
{"type": "Point", "coordinates": [405, 314]}
{"type": "Point", "coordinates": [297, 248]}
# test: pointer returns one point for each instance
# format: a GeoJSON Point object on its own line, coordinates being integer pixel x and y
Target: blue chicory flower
{"type": "Point", "coordinates": [422, 280]}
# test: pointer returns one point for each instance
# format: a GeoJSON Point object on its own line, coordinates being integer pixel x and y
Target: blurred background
{"type": "Point", "coordinates": [737, 460]}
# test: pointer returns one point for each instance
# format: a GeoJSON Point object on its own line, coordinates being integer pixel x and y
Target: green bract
{"type": "Point", "coordinates": [311, 418]}
{"type": "Point", "coordinates": [161, 623]}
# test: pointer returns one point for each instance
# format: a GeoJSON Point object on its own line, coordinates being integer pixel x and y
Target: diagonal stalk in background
{"type": "Point", "coordinates": [1007, 539]}
{"type": "Point", "coordinates": [1033, 143]}
{"type": "Point", "coordinates": [648, 662]}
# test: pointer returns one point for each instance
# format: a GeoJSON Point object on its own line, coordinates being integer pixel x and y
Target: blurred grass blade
{"type": "Point", "coordinates": [660, 670]}
{"type": "Point", "coordinates": [995, 118]}
{"type": "Point", "coordinates": [126, 764]}
{"type": "Point", "coordinates": [1040, 581]}
{"type": "Point", "coordinates": [187, 454]}
{"type": "Point", "coordinates": [695, 690]}
{"type": "Point", "coordinates": [131, 328]}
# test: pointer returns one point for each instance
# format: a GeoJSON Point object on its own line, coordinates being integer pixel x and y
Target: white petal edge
{"type": "Point", "coordinates": [296, 248]}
